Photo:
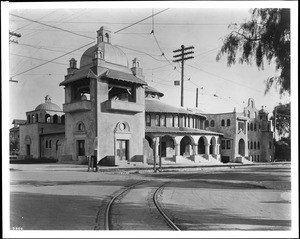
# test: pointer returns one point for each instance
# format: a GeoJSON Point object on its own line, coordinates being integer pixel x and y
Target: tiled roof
{"type": "Point", "coordinates": [154, 105]}
{"type": "Point", "coordinates": [119, 75]}
{"type": "Point", "coordinates": [81, 74]}
{"type": "Point", "coordinates": [174, 130]}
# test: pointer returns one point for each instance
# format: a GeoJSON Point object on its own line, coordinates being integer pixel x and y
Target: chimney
{"type": "Point", "coordinates": [72, 67]}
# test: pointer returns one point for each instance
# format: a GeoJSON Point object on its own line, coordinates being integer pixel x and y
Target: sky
{"type": "Point", "coordinates": [49, 31]}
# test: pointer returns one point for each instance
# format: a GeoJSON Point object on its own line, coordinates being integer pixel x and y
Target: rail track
{"type": "Point", "coordinates": [169, 222]}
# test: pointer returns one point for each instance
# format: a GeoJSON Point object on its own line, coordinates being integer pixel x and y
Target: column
{"type": "Point", "coordinates": [207, 148]}
{"type": "Point", "coordinates": [155, 151]}
{"type": "Point", "coordinates": [177, 149]}
{"type": "Point", "coordinates": [217, 149]}
{"type": "Point", "coordinates": [195, 149]}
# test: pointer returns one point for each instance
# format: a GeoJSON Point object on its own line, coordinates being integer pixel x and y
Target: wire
{"type": "Point", "coordinates": [33, 58]}
{"type": "Point", "coordinates": [52, 59]}
{"type": "Point", "coordinates": [141, 20]}
{"type": "Point", "coordinates": [74, 33]}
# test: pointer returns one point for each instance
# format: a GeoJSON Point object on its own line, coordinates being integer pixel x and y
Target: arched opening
{"type": "Point", "coordinates": [206, 123]}
{"type": "Point", "coordinates": [150, 141]}
{"type": "Point", "coordinates": [55, 119]}
{"type": "Point", "coordinates": [185, 146]}
{"type": "Point", "coordinates": [241, 147]}
{"type": "Point", "coordinates": [28, 119]}
{"type": "Point", "coordinates": [167, 146]}
{"type": "Point", "coordinates": [251, 126]}
{"type": "Point", "coordinates": [106, 38]}
{"type": "Point", "coordinates": [62, 119]}
{"type": "Point", "coordinates": [212, 123]}
{"type": "Point", "coordinates": [47, 118]}
{"type": "Point", "coordinates": [201, 146]}
{"type": "Point", "coordinates": [222, 122]}
{"type": "Point", "coordinates": [212, 146]}
{"type": "Point", "coordinates": [228, 122]}
{"type": "Point", "coordinates": [36, 117]}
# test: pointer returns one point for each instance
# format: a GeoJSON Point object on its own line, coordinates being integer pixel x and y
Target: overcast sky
{"type": "Point", "coordinates": [221, 88]}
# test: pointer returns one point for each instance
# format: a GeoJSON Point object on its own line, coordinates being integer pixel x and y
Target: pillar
{"type": "Point", "coordinates": [177, 149]}
{"type": "Point", "coordinates": [217, 149]}
{"type": "Point", "coordinates": [207, 148]}
{"type": "Point", "coordinates": [195, 149]}
{"type": "Point", "coordinates": [155, 149]}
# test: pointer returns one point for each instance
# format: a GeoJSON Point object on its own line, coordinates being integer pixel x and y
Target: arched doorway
{"type": "Point", "coordinates": [201, 146]}
{"type": "Point", "coordinates": [242, 147]}
{"type": "Point", "coordinates": [212, 147]}
{"type": "Point", "coordinates": [185, 146]}
{"type": "Point", "coordinates": [167, 146]}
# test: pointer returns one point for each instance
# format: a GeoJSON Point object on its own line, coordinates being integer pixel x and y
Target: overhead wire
{"type": "Point", "coordinates": [39, 59]}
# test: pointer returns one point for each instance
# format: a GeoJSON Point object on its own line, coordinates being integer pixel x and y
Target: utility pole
{"type": "Point", "coordinates": [275, 115]}
{"type": "Point", "coordinates": [181, 57]}
{"type": "Point", "coordinates": [196, 97]}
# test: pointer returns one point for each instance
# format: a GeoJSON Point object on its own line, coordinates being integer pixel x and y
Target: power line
{"type": "Point", "coordinates": [53, 59]}
{"type": "Point", "coordinates": [74, 33]}
{"type": "Point", "coordinates": [141, 20]}
{"type": "Point", "coordinates": [33, 58]}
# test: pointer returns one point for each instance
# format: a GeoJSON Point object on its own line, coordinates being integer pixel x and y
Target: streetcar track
{"type": "Point", "coordinates": [118, 197]}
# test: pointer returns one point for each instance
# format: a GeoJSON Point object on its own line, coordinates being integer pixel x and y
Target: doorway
{"type": "Point", "coordinates": [122, 149]}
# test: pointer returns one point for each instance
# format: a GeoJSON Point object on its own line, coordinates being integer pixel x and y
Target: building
{"type": "Point", "coordinates": [44, 131]}
{"type": "Point", "coordinates": [104, 105]}
{"type": "Point", "coordinates": [14, 136]}
{"type": "Point", "coordinates": [247, 135]}
{"type": "Point", "coordinates": [177, 134]}
{"type": "Point", "coordinates": [110, 112]}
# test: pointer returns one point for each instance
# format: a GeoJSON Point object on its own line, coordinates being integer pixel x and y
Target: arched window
{"type": "Point", "coordinates": [46, 144]}
{"type": "Point", "coordinates": [55, 119]}
{"type": "Point", "coordinates": [36, 117]}
{"type": "Point", "coordinates": [81, 126]}
{"type": "Point", "coordinates": [184, 118]}
{"type": "Point", "coordinates": [33, 119]}
{"type": "Point", "coordinates": [251, 127]}
{"type": "Point", "coordinates": [251, 145]}
{"type": "Point", "coordinates": [47, 118]}
{"type": "Point", "coordinates": [228, 122]}
{"type": "Point", "coordinates": [254, 145]}
{"type": "Point", "coordinates": [156, 120]}
{"type": "Point", "coordinates": [212, 123]}
{"type": "Point", "coordinates": [28, 119]}
{"type": "Point", "coordinates": [106, 38]}
{"type": "Point", "coordinates": [222, 122]}
{"type": "Point", "coordinates": [148, 120]}
{"type": "Point", "coordinates": [206, 123]}
{"type": "Point", "coordinates": [248, 126]}
{"type": "Point", "coordinates": [258, 145]}
{"type": "Point", "coordinates": [254, 126]}
{"type": "Point", "coordinates": [50, 144]}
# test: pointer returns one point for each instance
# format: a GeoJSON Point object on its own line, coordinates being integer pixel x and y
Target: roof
{"type": "Point", "coordinates": [104, 72]}
{"type": "Point", "coordinates": [19, 121]}
{"type": "Point", "coordinates": [119, 75]}
{"type": "Point", "coordinates": [153, 90]}
{"type": "Point", "coordinates": [154, 105]}
{"type": "Point", "coordinates": [48, 106]}
{"type": "Point", "coordinates": [174, 130]}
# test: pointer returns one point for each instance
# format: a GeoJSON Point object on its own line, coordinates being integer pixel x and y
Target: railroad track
{"type": "Point", "coordinates": [169, 222]}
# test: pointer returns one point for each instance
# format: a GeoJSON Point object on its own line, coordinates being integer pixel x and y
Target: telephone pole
{"type": "Point", "coordinates": [181, 57]}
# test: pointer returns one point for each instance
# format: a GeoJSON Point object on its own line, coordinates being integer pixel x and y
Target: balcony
{"type": "Point", "coordinates": [118, 105]}
{"type": "Point", "coordinates": [82, 105]}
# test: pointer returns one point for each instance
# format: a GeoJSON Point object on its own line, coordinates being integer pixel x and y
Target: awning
{"type": "Point", "coordinates": [119, 75]}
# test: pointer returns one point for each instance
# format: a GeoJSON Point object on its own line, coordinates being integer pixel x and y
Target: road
{"type": "Point", "coordinates": [67, 197]}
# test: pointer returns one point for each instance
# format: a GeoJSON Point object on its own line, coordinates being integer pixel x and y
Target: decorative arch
{"type": "Point", "coordinates": [55, 119]}
{"type": "Point", "coordinates": [201, 145]}
{"type": "Point", "coordinates": [228, 122]}
{"type": "Point", "coordinates": [222, 122]}
{"type": "Point", "coordinates": [167, 146]}
{"type": "Point", "coordinates": [122, 126]}
{"type": "Point", "coordinates": [80, 126]}
{"type": "Point", "coordinates": [212, 123]}
{"type": "Point", "coordinates": [241, 149]}
{"type": "Point", "coordinates": [186, 145]}
{"type": "Point", "coordinates": [36, 117]}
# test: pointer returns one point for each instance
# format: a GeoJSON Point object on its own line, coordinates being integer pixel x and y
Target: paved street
{"type": "Point", "coordinates": [67, 197]}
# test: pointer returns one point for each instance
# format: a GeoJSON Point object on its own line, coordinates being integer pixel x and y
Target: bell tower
{"type": "Point", "coordinates": [103, 35]}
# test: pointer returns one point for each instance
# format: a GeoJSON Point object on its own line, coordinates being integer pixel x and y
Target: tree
{"type": "Point", "coordinates": [282, 113]}
{"type": "Point", "coordinates": [266, 37]}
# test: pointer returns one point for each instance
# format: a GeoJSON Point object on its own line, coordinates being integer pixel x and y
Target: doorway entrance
{"type": "Point", "coordinates": [122, 149]}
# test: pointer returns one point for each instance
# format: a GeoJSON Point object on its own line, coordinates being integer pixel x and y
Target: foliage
{"type": "Point", "coordinates": [266, 37]}
{"type": "Point", "coordinates": [283, 150]}
{"type": "Point", "coordinates": [283, 119]}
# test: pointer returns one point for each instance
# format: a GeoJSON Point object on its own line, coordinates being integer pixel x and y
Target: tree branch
{"type": "Point", "coordinates": [247, 38]}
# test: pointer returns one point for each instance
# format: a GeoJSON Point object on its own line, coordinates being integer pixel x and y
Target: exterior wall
{"type": "Point", "coordinates": [31, 130]}
{"type": "Point", "coordinates": [55, 151]}
{"type": "Point", "coordinates": [108, 120]}
{"type": "Point", "coordinates": [88, 134]}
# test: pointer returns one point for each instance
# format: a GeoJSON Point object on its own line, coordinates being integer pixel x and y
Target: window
{"type": "Point", "coordinates": [163, 120]}
{"type": "Point", "coordinates": [156, 120]}
{"type": "Point", "coordinates": [228, 122]}
{"type": "Point", "coordinates": [122, 93]}
{"type": "Point", "coordinates": [251, 127]}
{"type": "Point", "coordinates": [28, 119]}
{"type": "Point", "coordinates": [228, 144]}
{"type": "Point", "coordinates": [270, 145]}
{"type": "Point", "coordinates": [55, 119]}
{"type": "Point", "coordinates": [248, 114]}
{"type": "Point", "coordinates": [172, 120]}
{"type": "Point", "coordinates": [222, 122]}
{"type": "Point", "coordinates": [254, 157]}
{"type": "Point", "coordinates": [46, 144]}
{"type": "Point", "coordinates": [81, 127]}
{"type": "Point", "coordinates": [50, 144]}
{"type": "Point", "coordinates": [254, 126]}
{"type": "Point", "coordinates": [47, 118]}
{"type": "Point", "coordinates": [36, 118]}
{"type": "Point", "coordinates": [248, 126]}
{"type": "Point", "coordinates": [80, 147]}
{"type": "Point", "coordinates": [212, 123]}
{"type": "Point", "coordinates": [176, 121]}
{"type": "Point", "coordinates": [258, 145]}
{"type": "Point", "coordinates": [251, 145]}
{"type": "Point", "coordinates": [189, 122]}
{"type": "Point", "coordinates": [248, 144]}
{"type": "Point", "coordinates": [184, 118]}
{"type": "Point", "coordinates": [223, 144]}
{"type": "Point", "coordinates": [254, 145]}
{"type": "Point", "coordinates": [241, 126]}
{"type": "Point", "coordinates": [148, 120]}
{"type": "Point", "coordinates": [206, 123]}
{"type": "Point", "coordinates": [260, 117]}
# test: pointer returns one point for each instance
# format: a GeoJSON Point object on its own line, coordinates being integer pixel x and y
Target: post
{"type": "Point", "coordinates": [182, 75]}
{"type": "Point", "coordinates": [196, 97]}
{"type": "Point", "coordinates": [159, 156]}
{"type": "Point", "coordinates": [275, 113]}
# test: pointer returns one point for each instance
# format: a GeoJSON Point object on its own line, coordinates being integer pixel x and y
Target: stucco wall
{"type": "Point", "coordinates": [32, 131]}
